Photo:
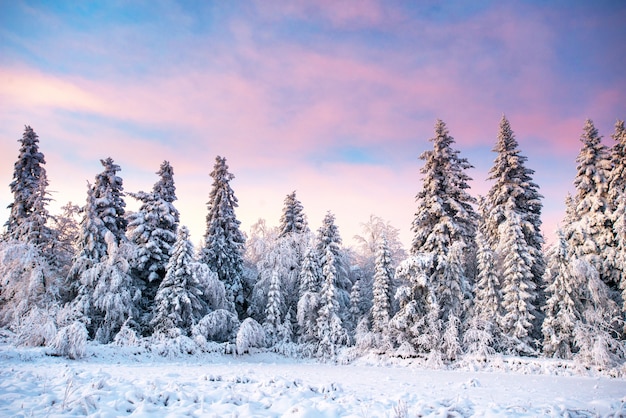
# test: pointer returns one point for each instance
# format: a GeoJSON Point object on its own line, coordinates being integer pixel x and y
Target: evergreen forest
{"type": "Point", "coordinates": [478, 279]}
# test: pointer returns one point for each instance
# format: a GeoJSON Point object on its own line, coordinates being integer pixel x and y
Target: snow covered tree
{"type": "Point", "coordinates": [223, 241]}
{"type": "Point", "coordinates": [445, 214]}
{"type": "Point", "coordinates": [293, 219]}
{"type": "Point", "coordinates": [445, 217]}
{"type": "Point", "coordinates": [273, 314]}
{"type": "Point", "coordinates": [310, 275]}
{"type": "Point", "coordinates": [330, 331]}
{"type": "Point", "coordinates": [617, 174]}
{"type": "Point", "coordinates": [381, 311]}
{"type": "Point", "coordinates": [329, 242]}
{"type": "Point", "coordinates": [564, 306]}
{"type": "Point", "coordinates": [103, 213]}
{"type": "Point", "coordinates": [29, 216]}
{"type": "Point", "coordinates": [592, 234]}
{"type": "Point", "coordinates": [27, 282]}
{"type": "Point", "coordinates": [487, 301]}
{"type": "Point", "coordinates": [488, 295]}
{"type": "Point", "coordinates": [67, 229]}
{"type": "Point", "coordinates": [355, 312]}
{"type": "Point", "coordinates": [451, 343]}
{"type": "Point", "coordinates": [153, 229]}
{"type": "Point", "coordinates": [514, 192]}
{"type": "Point", "coordinates": [416, 300]}
{"type": "Point", "coordinates": [596, 336]}
{"type": "Point", "coordinates": [519, 292]}
{"type": "Point", "coordinates": [108, 293]}
{"type": "Point", "coordinates": [617, 201]}
{"type": "Point", "coordinates": [308, 304]}
{"type": "Point", "coordinates": [619, 254]}
{"type": "Point", "coordinates": [108, 192]}
{"type": "Point", "coordinates": [250, 335]}
{"type": "Point", "coordinates": [179, 301]}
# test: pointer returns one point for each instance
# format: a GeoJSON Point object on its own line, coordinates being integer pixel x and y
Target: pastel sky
{"type": "Point", "coordinates": [333, 99]}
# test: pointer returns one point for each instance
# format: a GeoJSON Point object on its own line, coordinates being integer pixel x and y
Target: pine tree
{"type": "Point", "coordinates": [223, 241]}
{"type": "Point", "coordinates": [273, 313]}
{"type": "Point", "coordinates": [445, 214]}
{"type": "Point", "coordinates": [103, 213]}
{"type": "Point", "coordinates": [107, 292]}
{"type": "Point", "coordinates": [620, 249]}
{"type": "Point", "coordinates": [67, 230]}
{"type": "Point", "coordinates": [617, 200]}
{"type": "Point", "coordinates": [383, 280]}
{"type": "Point", "coordinates": [293, 219]}
{"type": "Point", "coordinates": [563, 307]}
{"type": "Point", "coordinates": [29, 216]}
{"type": "Point", "coordinates": [330, 331]}
{"type": "Point", "coordinates": [445, 217]}
{"type": "Point", "coordinates": [310, 274]}
{"type": "Point", "coordinates": [593, 230]}
{"type": "Point", "coordinates": [310, 278]}
{"type": "Point", "coordinates": [488, 294]}
{"type": "Point", "coordinates": [355, 312]}
{"type": "Point", "coordinates": [514, 191]}
{"type": "Point", "coordinates": [108, 193]}
{"type": "Point", "coordinates": [329, 240]}
{"type": "Point", "coordinates": [519, 292]}
{"type": "Point", "coordinates": [153, 229]}
{"type": "Point", "coordinates": [179, 302]}
{"type": "Point", "coordinates": [617, 174]}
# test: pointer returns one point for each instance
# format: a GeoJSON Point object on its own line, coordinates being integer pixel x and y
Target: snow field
{"type": "Point", "coordinates": [268, 385]}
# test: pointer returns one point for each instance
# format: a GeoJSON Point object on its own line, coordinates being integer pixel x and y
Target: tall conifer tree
{"type": "Point", "coordinates": [223, 241]}
{"type": "Point", "coordinates": [445, 217]}
{"type": "Point", "coordinates": [29, 215]}
{"type": "Point", "coordinates": [514, 192]}
{"type": "Point", "coordinates": [153, 229]}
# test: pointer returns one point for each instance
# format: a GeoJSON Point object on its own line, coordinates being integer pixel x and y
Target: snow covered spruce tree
{"type": "Point", "coordinates": [179, 303]}
{"type": "Point", "coordinates": [310, 278]}
{"type": "Point", "coordinates": [153, 230]}
{"type": "Point", "coordinates": [223, 241]}
{"type": "Point", "coordinates": [282, 255]}
{"type": "Point", "coordinates": [330, 331]}
{"type": "Point", "coordinates": [28, 266]}
{"type": "Point", "coordinates": [273, 310]}
{"type": "Point", "coordinates": [293, 219]}
{"type": "Point", "coordinates": [483, 328]}
{"type": "Point", "coordinates": [328, 239]}
{"type": "Point", "coordinates": [28, 218]}
{"type": "Point", "coordinates": [617, 202]}
{"type": "Point", "coordinates": [445, 223]}
{"type": "Point", "coordinates": [381, 311]}
{"type": "Point", "coordinates": [591, 235]}
{"type": "Point", "coordinates": [617, 174]}
{"type": "Point", "coordinates": [563, 309]}
{"type": "Point", "coordinates": [100, 276]}
{"type": "Point", "coordinates": [519, 292]}
{"type": "Point", "coordinates": [513, 205]}
{"type": "Point", "coordinates": [366, 252]}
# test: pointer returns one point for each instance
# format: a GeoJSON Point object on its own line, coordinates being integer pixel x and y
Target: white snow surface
{"type": "Point", "coordinates": [120, 381]}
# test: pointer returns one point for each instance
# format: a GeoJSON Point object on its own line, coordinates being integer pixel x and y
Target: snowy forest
{"type": "Point", "coordinates": [477, 280]}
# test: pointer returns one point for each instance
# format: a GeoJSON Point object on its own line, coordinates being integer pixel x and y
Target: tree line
{"type": "Point", "coordinates": [475, 281]}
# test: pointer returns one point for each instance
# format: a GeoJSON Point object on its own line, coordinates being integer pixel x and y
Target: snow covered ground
{"type": "Point", "coordinates": [114, 381]}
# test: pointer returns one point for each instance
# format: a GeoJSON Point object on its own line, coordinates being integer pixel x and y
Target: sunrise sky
{"type": "Point", "coordinates": [333, 99]}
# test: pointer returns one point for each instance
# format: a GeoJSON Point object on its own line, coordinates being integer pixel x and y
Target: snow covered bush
{"type": "Point", "coordinates": [127, 337]}
{"type": "Point", "coordinates": [172, 343]}
{"type": "Point", "coordinates": [250, 335]}
{"type": "Point", "coordinates": [220, 325]}
{"type": "Point", "coordinates": [37, 328]}
{"type": "Point", "coordinates": [71, 341]}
